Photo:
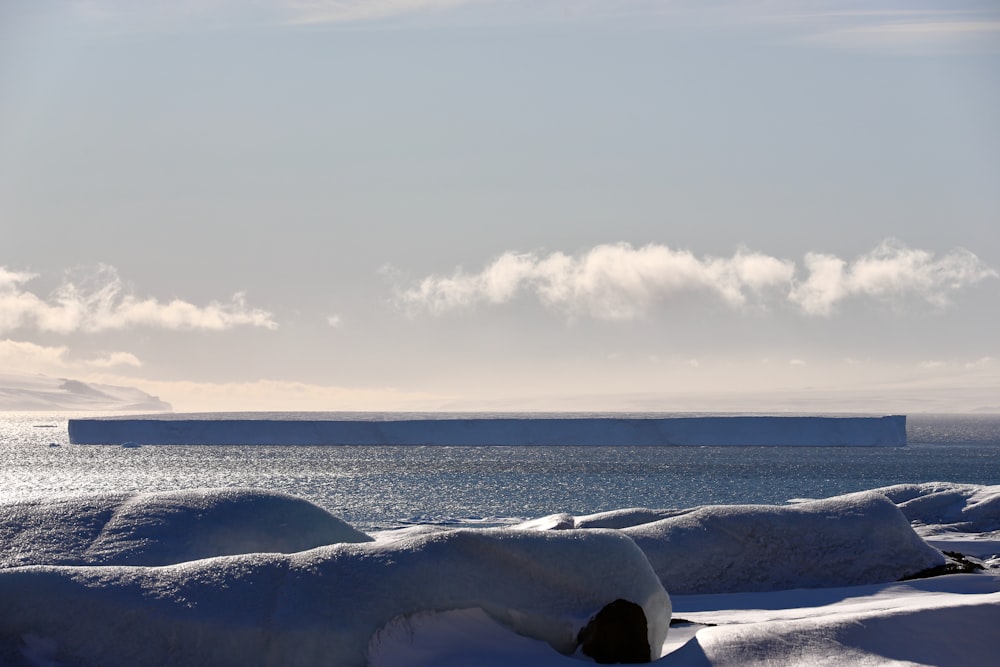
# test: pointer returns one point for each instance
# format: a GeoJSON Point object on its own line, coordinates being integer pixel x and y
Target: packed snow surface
{"type": "Point", "coordinates": [483, 430]}
{"type": "Point", "coordinates": [811, 583]}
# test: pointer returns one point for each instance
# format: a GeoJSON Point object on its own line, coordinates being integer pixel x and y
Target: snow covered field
{"type": "Point", "coordinates": [245, 577]}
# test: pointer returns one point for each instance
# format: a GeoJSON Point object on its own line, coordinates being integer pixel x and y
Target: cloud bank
{"type": "Point", "coordinates": [622, 282]}
{"type": "Point", "coordinates": [101, 302]}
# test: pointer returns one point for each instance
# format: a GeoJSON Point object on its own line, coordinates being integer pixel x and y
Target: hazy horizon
{"type": "Point", "coordinates": [461, 204]}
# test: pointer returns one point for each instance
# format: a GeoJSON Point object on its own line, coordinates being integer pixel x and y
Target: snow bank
{"type": "Point", "coordinates": [38, 392]}
{"type": "Point", "coordinates": [433, 595]}
{"type": "Point", "coordinates": [946, 621]}
{"type": "Point", "coordinates": [163, 528]}
{"type": "Point", "coordinates": [948, 507]}
{"type": "Point", "coordinates": [853, 539]}
{"type": "Point", "coordinates": [610, 431]}
{"type": "Point", "coordinates": [326, 605]}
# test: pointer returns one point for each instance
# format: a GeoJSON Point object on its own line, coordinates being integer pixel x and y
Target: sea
{"type": "Point", "coordinates": [384, 487]}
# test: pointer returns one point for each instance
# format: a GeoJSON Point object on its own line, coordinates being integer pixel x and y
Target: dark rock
{"type": "Point", "coordinates": [616, 634]}
{"type": "Point", "coordinates": [957, 563]}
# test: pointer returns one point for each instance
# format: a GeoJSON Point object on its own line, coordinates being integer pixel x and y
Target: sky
{"type": "Point", "coordinates": [505, 205]}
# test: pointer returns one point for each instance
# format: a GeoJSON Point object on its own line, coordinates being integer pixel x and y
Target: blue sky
{"type": "Point", "coordinates": [498, 204]}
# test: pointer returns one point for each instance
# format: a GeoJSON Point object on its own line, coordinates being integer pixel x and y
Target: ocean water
{"type": "Point", "coordinates": [384, 487]}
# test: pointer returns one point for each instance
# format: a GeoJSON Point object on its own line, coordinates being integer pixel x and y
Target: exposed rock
{"type": "Point", "coordinates": [616, 634]}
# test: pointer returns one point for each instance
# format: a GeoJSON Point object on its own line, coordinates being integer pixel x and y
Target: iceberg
{"type": "Point", "coordinates": [307, 429]}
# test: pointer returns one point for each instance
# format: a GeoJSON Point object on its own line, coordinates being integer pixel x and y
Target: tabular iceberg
{"type": "Point", "coordinates": [754, 430]}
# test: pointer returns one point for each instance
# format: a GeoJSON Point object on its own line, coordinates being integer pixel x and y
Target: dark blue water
{"type": "Point", "coordinates": [375, 487]}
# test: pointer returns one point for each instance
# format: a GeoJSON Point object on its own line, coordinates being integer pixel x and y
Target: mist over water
{"type": "Point", "coordinates": [385, 486]}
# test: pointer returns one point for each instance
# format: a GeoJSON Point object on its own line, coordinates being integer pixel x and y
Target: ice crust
{"type": "Point", "coordinates": [753, 430]}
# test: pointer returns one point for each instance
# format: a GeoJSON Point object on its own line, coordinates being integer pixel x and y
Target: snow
{"type": "Point", "coordinates": [23, 392]}
{"type": "Point", "coordinates": [945, 621]}
{"type": "Point", "coordinates": [760, 548]}
{"type": "Point", "coordinates": [326, 605]}
{"type": "Point", "coordinates": [163, 528]}
{"type": "Point", "coordinates": [756, 430]}
{"type": "Point", "coordinates": [813, 583]}
{"type": "Point", "coordinates": [732, 548]}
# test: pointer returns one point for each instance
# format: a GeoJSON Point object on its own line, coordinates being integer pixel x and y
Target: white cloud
{"type": "Point", "coordinates": [620, 282]}
{"type": "Point", "coordinates": [114, 359]}
{"type": "Point", "coordinates": [278, 395]}
{"type": "Point", "coordinates": [891, 272]}
{"type": "Point", "coordinates": [101, 302]}
{"type": "Point", "coordinates": [283, 11]}
{"type": "Point", "coordinates": [334, 321]}
{"type": "Point", "coordinates": [27, 357]}
{"type": "Point", "coordinates": [982, 362]}
{"type": "Point", "coordinates": [336, 11]}
{"type": "Point", "coordinates": [913, 34]}
{"type": "Point", "coordinates": [614, 281]}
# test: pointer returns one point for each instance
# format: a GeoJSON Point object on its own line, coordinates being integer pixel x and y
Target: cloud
{"type": "Point", "coordinates": [29, 357]}
{"type": "Point", "coordinates": [338, 11]}
{"type": "Point", "coordinates": [945, 27]}
{"type": "Point", "coordinates": [101, 302]}
{"type": "Point", "coordinates": [890, 273]}
{"type": "Point", "coordinates": [621, 282]}
{"type": "Point", "coordinates": [277, 395]}
{"type": "Point", "coordinates": [613, 281]}
{"type": "Point", "coordinates": [301, 12]}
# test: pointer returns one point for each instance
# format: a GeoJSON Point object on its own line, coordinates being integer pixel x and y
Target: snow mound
{"type": "Point", "coordinates": [37, 392]}
{"type": "Point", "coordinates": [849, 540]}
{"type": "Point", "coordinates": [853, 539]}
{"type": "Point", "coordinates": [324, 606]}
{"type": "Point", "coordinates": [163, 528]}
{"type": "Point", "coordinates": [948, 507]}
{"type": "Point", "coordinates": [946, 621]}
{"type": "Point", "coordinates": [624, 518]}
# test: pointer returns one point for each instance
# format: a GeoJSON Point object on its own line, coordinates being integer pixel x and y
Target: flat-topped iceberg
{"type": "Point", "coordinates": [717, 430]}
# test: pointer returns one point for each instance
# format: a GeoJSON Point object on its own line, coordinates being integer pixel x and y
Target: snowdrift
{"type": "Point", "coordinates": [163, 528]}
{"type": "Point", "coordinates": [139, 579]}
{"type": "Point", "coordinates": [947, 621]}
{"type": "Point", "coordinates": [598, 431]}
{"type": "Point", "coordinates": [844, 541]}
{"type": "Point", "coordinates": [948, 507]}
{"type": "Point", "coordinates": [324, 606]}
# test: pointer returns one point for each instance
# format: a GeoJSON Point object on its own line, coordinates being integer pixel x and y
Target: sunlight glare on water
{"type": "Point", "coordinates": [385, 486]}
